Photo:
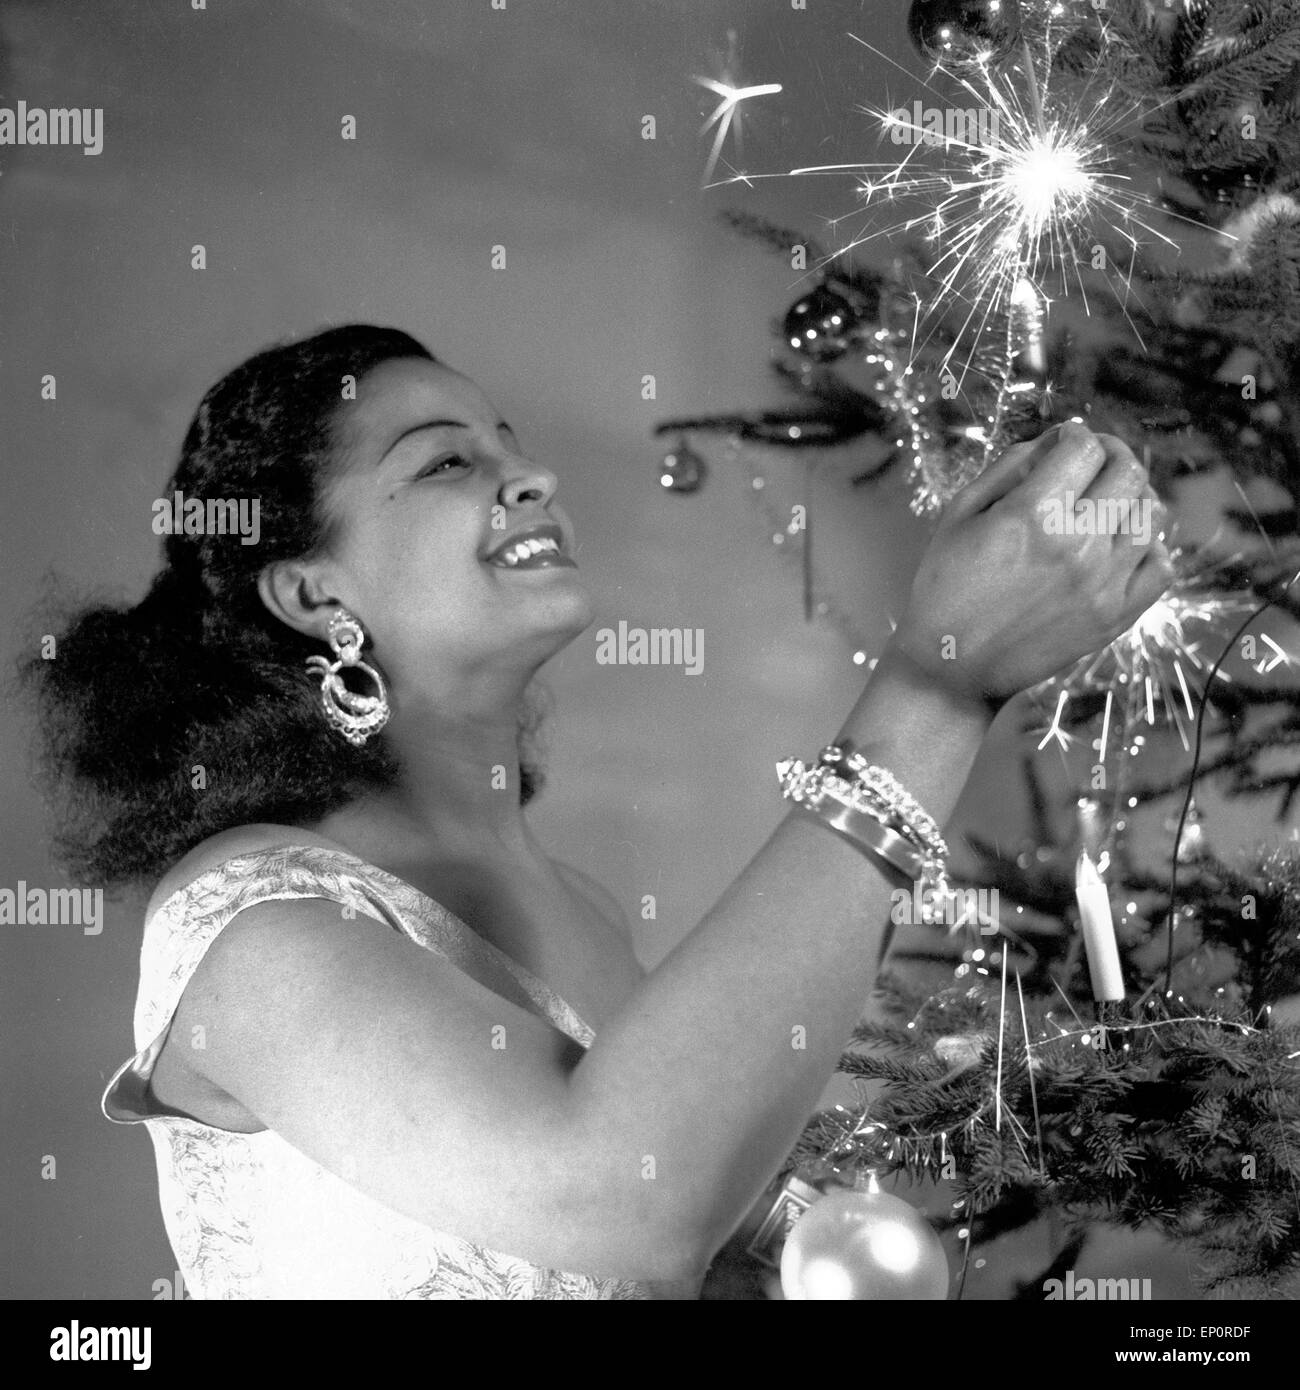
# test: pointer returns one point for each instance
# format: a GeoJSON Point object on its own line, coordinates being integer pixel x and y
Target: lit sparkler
{"type": "Point", "coordinates": [1022, 188]}
{"type": "Point", "coordinates": [1020, 200]}
{"type": "Point", "coordinates": [1156, 664]}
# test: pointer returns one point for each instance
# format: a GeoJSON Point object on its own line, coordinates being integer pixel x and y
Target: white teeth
{"type": "Point", "coordinates": [526, 549]}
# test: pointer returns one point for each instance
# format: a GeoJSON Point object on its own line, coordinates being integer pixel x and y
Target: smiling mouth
{"type": "Point", "coordinates": [532, 553]}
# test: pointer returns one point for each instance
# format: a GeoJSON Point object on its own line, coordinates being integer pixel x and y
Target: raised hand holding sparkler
{"type": "Point", "coordinates": [1103, 582]}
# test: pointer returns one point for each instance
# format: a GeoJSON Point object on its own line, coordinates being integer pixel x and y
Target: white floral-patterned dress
{"type": "Point", "coordinates": [248, 1215]}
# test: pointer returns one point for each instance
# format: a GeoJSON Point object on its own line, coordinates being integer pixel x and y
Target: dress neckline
{"type": "Point", "coordinates": [519, 972]}
{"type": "Point", "coordinates": [537, 990]}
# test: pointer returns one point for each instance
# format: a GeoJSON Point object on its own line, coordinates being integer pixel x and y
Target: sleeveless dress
{"type": "Point", "coordinates": [249, 1216]}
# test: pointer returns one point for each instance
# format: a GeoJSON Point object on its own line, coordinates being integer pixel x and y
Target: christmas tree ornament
{"type": "Point", "coordinates": [956, 32]}
{"type": "Point", "coordinates": [1098, 932]}
{"type": "Point", "coordinates": [826, 322]}
{"type": "Point", "coordinates": [863, 1245]}
{"type": "Point", "coordinates": [794, 1196]}
{"type": "Point", "coordinates": [1093, 830]}
{"type": "Point", "coordinates": [1025, 347]}
{"type": "Point", "coordinates": [1191, 844]}
{"type": "Point", "coordinates": [778, 518]}
{"type": "Point", "coordinates": [682, 470]}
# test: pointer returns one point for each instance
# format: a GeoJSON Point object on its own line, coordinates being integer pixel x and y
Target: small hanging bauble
{"type": "Point", "coordinates": [958, 32]}
{"type": "Point", "coordinates": [863, 1245]}
{"type": "Point", "coordinates": [683, 470]}
{"type": "Point", "coordinates": [825, 323]}
{"type": "Point", "coordinates": [1191, 845]}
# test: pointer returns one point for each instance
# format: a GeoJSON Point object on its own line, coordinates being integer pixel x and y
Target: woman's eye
{"type": "Point", "coordinates": [442, 465]}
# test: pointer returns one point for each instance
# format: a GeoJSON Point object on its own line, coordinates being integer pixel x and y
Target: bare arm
{"type": "Point", "coordinates": [783, 962]}
{"type": "Point", "coordinates": [638, 1158]}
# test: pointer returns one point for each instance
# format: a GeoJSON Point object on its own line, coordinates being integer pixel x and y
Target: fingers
{"type": "Point", "coordinates": [1121, 475]}
{"type": "Point", "coordinates": [1124, 507]}
{"type": "Point", "coordinates": [1124, 477]}
{"type": "Point", "coordinates": [1149, 579]}
{"type": "Point", "coordinates": [1066, 465]}
{"type": "Point", "coordinates": [1066, 457]}
{"type": "Point", "coordinates": [1119, 501]}
{"type": "Point", "coordinates": [1002, 476]}
{"type": "Point", "coordinates": [1070, 465]}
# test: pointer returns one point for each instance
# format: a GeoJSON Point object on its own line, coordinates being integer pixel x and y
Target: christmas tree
{"type": "Point", "coordinates": [1109, 231]}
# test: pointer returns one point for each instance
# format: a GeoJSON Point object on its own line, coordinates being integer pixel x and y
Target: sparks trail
{"type": "Point", "coordinates": [1151, 661]}
{"type": "Point", "coordinates": [1013, 202]}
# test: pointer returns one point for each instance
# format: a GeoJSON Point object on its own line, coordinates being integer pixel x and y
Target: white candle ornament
{"type": "Point", "coordinates": [1098, 931]}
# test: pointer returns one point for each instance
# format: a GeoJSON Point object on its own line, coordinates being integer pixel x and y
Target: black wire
{"type": "Point", "coordinates": [1191, 776]}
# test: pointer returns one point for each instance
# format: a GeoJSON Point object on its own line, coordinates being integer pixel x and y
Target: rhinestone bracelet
{"type": "Point", "coordinates": [846, 774]}
{"type": "Point", "coordinates": [869, 808]}
{"type": "Point", "coordinates": [886, 792]}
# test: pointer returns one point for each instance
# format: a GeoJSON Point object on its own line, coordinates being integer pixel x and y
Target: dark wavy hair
{"type": "Point", "coordinates": [199, 674]}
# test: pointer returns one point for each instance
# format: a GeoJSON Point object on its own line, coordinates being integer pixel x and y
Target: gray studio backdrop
{"type": "Point", "coordinates": [475, 127]}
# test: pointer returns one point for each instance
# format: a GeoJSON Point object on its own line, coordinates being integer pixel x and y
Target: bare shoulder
{"type": "Point", "coordinates": [240, 839]}
{"type": "Point", "coordinates": [597, 896]}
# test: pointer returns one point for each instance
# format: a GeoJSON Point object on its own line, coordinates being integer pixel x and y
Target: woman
{"type": "Point", "coordinates": [382, 1038]}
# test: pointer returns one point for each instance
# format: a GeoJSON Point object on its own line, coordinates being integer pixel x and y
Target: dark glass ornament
{"type": "Point", "coordinates": [826, 322]}
{"type": "Point", "coordinates": [683, 469]}
{"type": "Point", "coordinates": [954, 32]}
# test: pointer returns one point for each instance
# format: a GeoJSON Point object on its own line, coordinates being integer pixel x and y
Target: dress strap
{"type": "Point", "coordinates": [182, 928]}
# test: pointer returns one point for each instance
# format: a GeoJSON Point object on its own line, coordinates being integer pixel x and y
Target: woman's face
{"type": "Point", "coordinates": [433, 499]}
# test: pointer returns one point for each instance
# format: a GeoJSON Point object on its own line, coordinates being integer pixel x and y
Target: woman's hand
{"type": "Point", "coordinates": [1003, 599]}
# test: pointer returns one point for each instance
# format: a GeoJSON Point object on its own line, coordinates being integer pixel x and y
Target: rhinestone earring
{"type": "Point", "coordinates": [355, 716]}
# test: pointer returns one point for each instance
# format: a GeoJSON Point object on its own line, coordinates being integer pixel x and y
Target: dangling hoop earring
{"type": "Point", "coordinates": [356, 717]}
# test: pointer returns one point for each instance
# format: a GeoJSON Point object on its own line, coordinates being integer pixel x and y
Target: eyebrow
{"type": "Point", "coordinates": [436, 425]}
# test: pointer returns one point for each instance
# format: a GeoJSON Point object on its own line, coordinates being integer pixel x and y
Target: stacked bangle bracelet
{"type": "Point", "coordinates": [867, 806]}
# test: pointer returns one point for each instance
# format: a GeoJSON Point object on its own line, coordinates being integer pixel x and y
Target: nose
{"type": "Point", "coordinates": [526, 482]}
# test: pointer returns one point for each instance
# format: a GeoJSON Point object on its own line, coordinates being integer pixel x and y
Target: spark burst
{"type": "Point", "coordinates": [1154, 668]}
{"type": "Point", "coordinates": [1019, 199]}
{"type": "Point", "coordinates": [1023, 188]}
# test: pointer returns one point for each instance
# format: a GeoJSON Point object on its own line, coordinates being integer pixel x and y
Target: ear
{"type": "Point", "coordinates": [295, 592]}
